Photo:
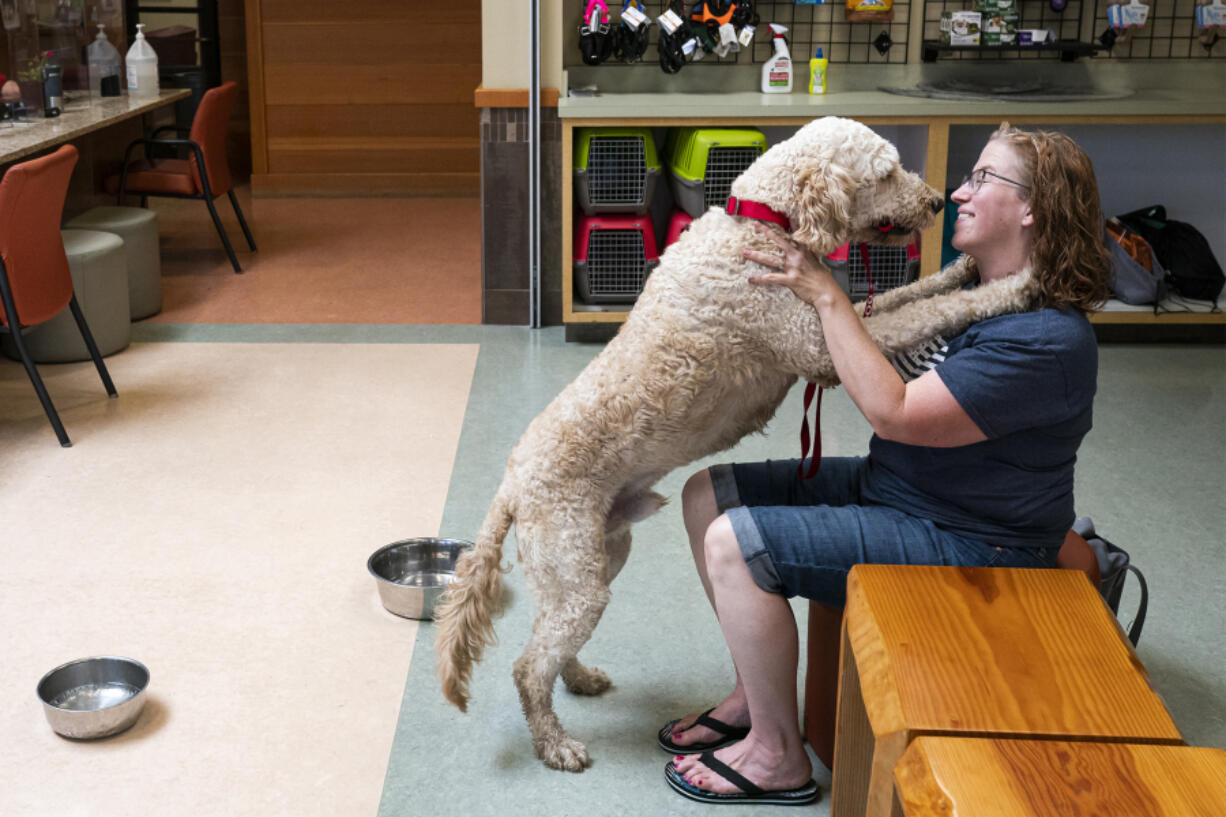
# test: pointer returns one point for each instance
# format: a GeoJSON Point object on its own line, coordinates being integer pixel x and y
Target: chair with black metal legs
{"type": "Point", "coordinates": [35, 281]}
{"type": "Point", "coordinates": [204, 174]}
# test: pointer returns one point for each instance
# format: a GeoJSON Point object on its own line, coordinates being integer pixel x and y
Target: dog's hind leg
{"type": "Point", "coordinates": [572, 594]}
{"type": "Point", "coordinates": [578, 678]}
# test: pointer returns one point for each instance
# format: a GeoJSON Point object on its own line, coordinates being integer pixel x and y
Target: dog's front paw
{"type": "Point", "coordinates": [583, 680]}
{"type": "Point", "coordinates": [565, 754]}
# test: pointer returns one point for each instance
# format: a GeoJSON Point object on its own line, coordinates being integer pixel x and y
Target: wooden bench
{"type": "Point", "coordinates": [978, 652]}
{"type": "Point", "coordinates": [822, 656]}
{"type": "Point", "coordinates": [938, 777]}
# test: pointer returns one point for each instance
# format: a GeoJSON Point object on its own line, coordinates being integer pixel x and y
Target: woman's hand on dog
{"type": "Point", "coordinates": [793, 267]}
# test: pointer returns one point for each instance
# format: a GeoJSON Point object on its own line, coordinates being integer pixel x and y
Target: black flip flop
{"type": "Point", "coordinates": [749, 793]}
{"type": "Point", "coordinates": [731, 734]}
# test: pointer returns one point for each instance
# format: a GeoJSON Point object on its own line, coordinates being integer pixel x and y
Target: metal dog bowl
{"type": "Point", "coordinates": [94, 697]}
{"type": "Point", "coordinates": [412, 573]}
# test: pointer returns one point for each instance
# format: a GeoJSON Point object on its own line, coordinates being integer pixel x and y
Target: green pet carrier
{"type": "Point", "coordinates": [702, 163]}
{"type": "Point", "coordinates": [616, 170]}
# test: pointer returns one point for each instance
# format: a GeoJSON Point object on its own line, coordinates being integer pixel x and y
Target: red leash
{"type": "Point", "coordinates": [811, 388]}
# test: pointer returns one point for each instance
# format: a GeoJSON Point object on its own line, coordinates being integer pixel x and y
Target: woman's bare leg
{"type": "Point", "coordinates": [699, 510]}
{"type": "Point", "coordinates": [761, 634]}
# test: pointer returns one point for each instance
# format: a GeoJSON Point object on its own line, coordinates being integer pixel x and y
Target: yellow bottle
{"type": "Point", "coordinates": [817, 73]}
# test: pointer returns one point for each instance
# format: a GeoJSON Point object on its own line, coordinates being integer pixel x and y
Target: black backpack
{"type": "Point", "coordinates": [1191, 269]}
{"type": "Point", "coordinates": [1114, 565]}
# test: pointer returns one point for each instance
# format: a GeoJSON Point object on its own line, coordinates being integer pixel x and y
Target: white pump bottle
{"type": "Point", "coordinates": [142, 66]}
{"type": "Point", "coordinates": [777, 71]}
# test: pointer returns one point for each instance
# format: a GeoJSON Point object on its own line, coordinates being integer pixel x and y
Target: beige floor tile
{"type": "Point", "coordinates": [214, 522]}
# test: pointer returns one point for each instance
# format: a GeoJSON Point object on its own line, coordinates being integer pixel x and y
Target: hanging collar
{"type": "Point", "coordinates": [757, 210]}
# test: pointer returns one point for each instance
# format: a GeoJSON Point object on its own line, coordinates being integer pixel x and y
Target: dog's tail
{"type": "Point", "coordinates": [464, 617]}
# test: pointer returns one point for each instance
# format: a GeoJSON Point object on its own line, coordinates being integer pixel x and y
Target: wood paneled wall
{"type": "Point", "coordinates": [232, 39]}
{"type": "Point", "coordinates": [369, 97]}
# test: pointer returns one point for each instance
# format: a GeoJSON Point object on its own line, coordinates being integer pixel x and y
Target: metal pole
{"type": "Point", "coordinates": [534, 171]}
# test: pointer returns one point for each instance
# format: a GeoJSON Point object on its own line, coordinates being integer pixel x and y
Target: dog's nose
{"type": "Point", "coordinates": [937, 206]}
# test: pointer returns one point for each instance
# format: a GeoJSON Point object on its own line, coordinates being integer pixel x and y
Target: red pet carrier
{"type": "Point", "coordinates": [678, 223]}
{"type": "Point", "coordinates": [890, 266]}
{"type": "Point", "coordinates": [613, 257]}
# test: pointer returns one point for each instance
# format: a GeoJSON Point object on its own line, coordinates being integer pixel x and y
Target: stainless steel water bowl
{"type": "Point", "coordinates": [412, 573]}
{"type": "Point", "coordinates": [94, 697]}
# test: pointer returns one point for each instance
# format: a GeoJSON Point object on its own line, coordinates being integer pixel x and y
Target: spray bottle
{"type": "Point", "coordinates": [777, 71]}
{"type": "Point", "coordinates": [817, 72]}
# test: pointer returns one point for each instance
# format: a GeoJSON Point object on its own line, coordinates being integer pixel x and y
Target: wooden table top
{"type": "Point", "coordinates": [1042, 778]}
{"type": "Point", "coordinates": [996, 651]}
{"type": "Point", "coordinates": [81, 116]}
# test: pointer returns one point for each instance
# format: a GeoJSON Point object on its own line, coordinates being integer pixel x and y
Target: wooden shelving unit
{"type": "Point", "coordinates": [934, 171]}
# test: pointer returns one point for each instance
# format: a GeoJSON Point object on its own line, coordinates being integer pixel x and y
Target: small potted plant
{"type": "Point", "coordinates": [30, 80]}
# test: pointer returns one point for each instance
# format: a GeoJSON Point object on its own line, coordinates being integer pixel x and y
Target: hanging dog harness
{"type": "Point", "coordinates": [594, 41]}
{"type": "Point", "coordinates": [669, 43]}
{"type": "Point", "coordinates": [630, 40]}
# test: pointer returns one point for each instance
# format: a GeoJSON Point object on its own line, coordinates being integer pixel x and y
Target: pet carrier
{"type": "Point", "coordinates": [613, 257]}
{"type": "Point", "coordinates": [616, 169]}
{"type": "Point", "coordinates": [678, 223]}
{"type": "Point", "coordinates": [890, 266]}
{"type": "Point", "coordinates": [702, 163]}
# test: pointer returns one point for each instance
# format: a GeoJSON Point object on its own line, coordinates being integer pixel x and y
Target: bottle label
{"type": "Point", "coordinates": [780, 73]}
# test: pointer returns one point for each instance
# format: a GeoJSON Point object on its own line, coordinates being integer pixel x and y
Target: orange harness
{"type": "Point", "coordinates": [709, 16]}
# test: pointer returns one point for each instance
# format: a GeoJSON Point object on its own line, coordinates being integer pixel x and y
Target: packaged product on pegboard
{"type": "Point", "coordinates": [869, 11]}
{"type": "Point", "coordinates": [999, 21]}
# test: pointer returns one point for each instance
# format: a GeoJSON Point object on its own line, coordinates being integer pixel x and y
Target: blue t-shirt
{"type": "Point", "coordinates": [1028, 382]}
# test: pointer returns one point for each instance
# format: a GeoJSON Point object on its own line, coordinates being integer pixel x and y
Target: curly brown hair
{"type": "Point", "coordinates": [1070, 259]}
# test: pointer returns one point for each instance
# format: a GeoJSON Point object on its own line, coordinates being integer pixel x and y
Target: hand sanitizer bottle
{"type": "Point", "coordinates": [142, 66]}
{"type": "Point", "coordinates": [777, 71]}
{"type": "Point", "coordinates": [104, 65]}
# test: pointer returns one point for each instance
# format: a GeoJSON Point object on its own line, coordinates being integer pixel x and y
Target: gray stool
{"type": "Point", "coordinates": [138, 228]}
{"type": "Point", "coordinates": [100, 280]}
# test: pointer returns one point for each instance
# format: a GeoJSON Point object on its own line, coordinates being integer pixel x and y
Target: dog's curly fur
{"type": "Point", "coordinates": [703, 359]}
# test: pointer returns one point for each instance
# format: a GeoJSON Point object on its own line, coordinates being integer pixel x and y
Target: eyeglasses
{"type": "Point", "coordinates": [978, 177]}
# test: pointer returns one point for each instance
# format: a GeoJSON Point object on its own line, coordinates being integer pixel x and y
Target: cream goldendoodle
{"type": "Point", "coordinates": [703, 359]}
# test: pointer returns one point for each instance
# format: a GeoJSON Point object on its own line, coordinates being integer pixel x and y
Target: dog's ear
{"type": "Point", "coordinates": [824, 200]}
{"type": "Point", "coordinates": [883, 160]}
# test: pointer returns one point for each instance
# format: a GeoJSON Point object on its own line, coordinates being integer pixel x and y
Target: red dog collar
{"type": "Point", "coordinates": [753, 209]}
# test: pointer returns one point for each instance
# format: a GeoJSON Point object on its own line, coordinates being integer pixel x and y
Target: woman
{"type": "Point", "coordinates": [971, 462]}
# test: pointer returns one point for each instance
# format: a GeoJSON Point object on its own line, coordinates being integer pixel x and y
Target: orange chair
{"type": "Point", "coordinates": [35, 281]}
{"type": "Point", "coordinates": [182, 178]}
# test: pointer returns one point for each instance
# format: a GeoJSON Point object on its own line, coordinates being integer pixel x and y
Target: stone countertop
{"type": "Point", "coordinates": [79, 117]}
{"type": "Point", "coordinates": [1187, 90]}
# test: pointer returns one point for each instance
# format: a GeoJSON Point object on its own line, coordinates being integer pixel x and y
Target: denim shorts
{"type": "Point", "coordinates": [801, 537]}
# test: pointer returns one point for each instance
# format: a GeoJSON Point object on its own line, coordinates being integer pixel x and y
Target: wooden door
{"type": "Point", "coordinates": [369, 97]}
